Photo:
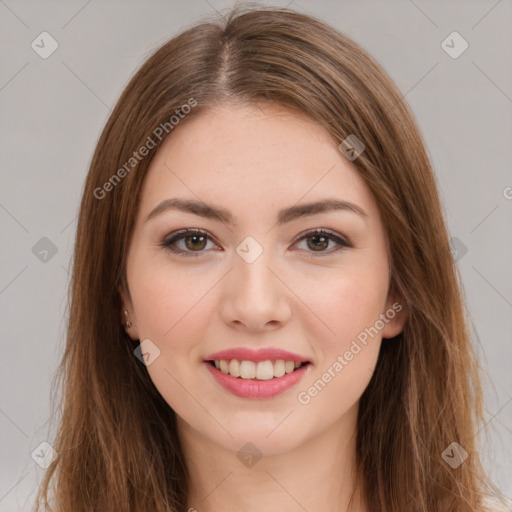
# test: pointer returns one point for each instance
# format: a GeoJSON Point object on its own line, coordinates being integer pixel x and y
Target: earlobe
{"type": "Point", "coordinates": [127, 315]}
{"type": "Point", "coordinates": [395, 316]}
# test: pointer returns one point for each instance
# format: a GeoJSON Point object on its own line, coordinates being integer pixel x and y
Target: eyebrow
{"type": "Point", "coordinates": [285, 215]}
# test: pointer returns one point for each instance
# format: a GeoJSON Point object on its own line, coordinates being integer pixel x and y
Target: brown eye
{"type": "Point", "coordinates": [195, 241]}
{"type": "Point", "coordinates": [318, 241]}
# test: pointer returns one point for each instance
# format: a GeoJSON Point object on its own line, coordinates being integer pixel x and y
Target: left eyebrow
{"type": "Point", "coordinates": [284, 216]}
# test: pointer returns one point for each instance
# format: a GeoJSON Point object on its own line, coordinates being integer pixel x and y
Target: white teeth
{"type": "Point", "coordinates": [247, 370]}
{"type": "Point", "coordinates": [279, 368]}
{"type": "Point", "coordinates": [234, 368]}
{"type": "Point", "coordinates": [265, 370]}
{"type": "Point", "coordinates": [262, 370]}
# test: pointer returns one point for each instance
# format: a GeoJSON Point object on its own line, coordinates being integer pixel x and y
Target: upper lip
{"type": "Point", "coordinates": [263, 354]}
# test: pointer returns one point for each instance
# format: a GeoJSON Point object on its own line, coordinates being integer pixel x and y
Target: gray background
{"type": "Point", "coordinates": [52, 112]}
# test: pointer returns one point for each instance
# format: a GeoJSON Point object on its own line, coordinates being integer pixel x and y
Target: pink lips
{"type": "Point", "coordinates": [254, 388]}
{"type": "Point", "coordinates": [248, 354]}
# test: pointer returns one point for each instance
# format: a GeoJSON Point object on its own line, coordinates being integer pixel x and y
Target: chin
{"type": "Point", "coordinates": [263, 436]}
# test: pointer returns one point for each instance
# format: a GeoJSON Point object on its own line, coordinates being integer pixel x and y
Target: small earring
{"type": "Point", "coordinates": [128, 324]}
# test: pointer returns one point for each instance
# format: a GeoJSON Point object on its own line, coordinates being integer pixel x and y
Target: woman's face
{"type": "Point", "coordinates": [257, 278]}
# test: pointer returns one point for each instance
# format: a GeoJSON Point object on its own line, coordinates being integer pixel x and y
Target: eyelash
{"type": "Point", "coordinates": [168, 243]}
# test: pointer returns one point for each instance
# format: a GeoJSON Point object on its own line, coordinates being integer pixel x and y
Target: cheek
{"type": "Point", "coordinates": [167, 299]}
{"type": "Point", "coordinates": [349, 304]}
{"type": "Point", "coordinates": [173, 311]}
{"type": "Point", "coordinates": [174, 308]}
{"type": "Point", "coordinates": [347, 357]}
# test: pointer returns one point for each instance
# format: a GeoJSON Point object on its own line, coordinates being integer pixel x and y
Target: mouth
{"type": "Point", "coordinates": [257, 370]}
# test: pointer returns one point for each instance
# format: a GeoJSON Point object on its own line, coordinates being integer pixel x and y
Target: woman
{"type": "Point", "coordinates": [265, 311]}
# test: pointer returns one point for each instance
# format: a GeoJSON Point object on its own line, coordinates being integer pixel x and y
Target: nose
{"type": "Point", "coordinates": [255, 297]}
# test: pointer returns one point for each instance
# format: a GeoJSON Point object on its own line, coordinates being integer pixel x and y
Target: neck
{"type": "Point", "coordinates": [318, 474]}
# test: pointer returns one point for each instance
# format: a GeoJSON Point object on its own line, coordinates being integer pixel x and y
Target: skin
{"type": "Point", "coordinates": [255, 161]}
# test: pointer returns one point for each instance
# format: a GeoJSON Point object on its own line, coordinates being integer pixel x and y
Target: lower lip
{"type": "Point", "coordinates": [252, 388]}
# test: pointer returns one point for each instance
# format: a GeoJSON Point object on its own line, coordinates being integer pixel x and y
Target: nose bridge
{"type": "Point", "coordinates": [255, 296]}
{"type": "Point", "coordinates": [252, 263]}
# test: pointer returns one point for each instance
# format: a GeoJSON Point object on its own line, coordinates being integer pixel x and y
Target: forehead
{"type": "Point", "coordinates": [252, 157]}
{"type": "Point", "coordinates": [243, 131]}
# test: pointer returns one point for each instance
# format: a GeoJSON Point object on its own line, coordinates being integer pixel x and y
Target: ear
{"type": "Point", "coordinates": [396, 314]}
{"type": "Point", "coordinates": [127, 305]}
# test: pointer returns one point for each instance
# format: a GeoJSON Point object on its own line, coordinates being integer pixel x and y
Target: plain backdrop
{"type": "Point", "coordinates": [53, 110]}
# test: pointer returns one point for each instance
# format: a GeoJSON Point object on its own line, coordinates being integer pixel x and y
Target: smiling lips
{"type": "Point", "coordinates": [262, 370]}
{"type": "Point", "coordinates": [256, 374]}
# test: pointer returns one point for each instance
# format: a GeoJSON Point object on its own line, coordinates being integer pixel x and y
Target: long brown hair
{"type": "Point", "coordinates": [117, 441]}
